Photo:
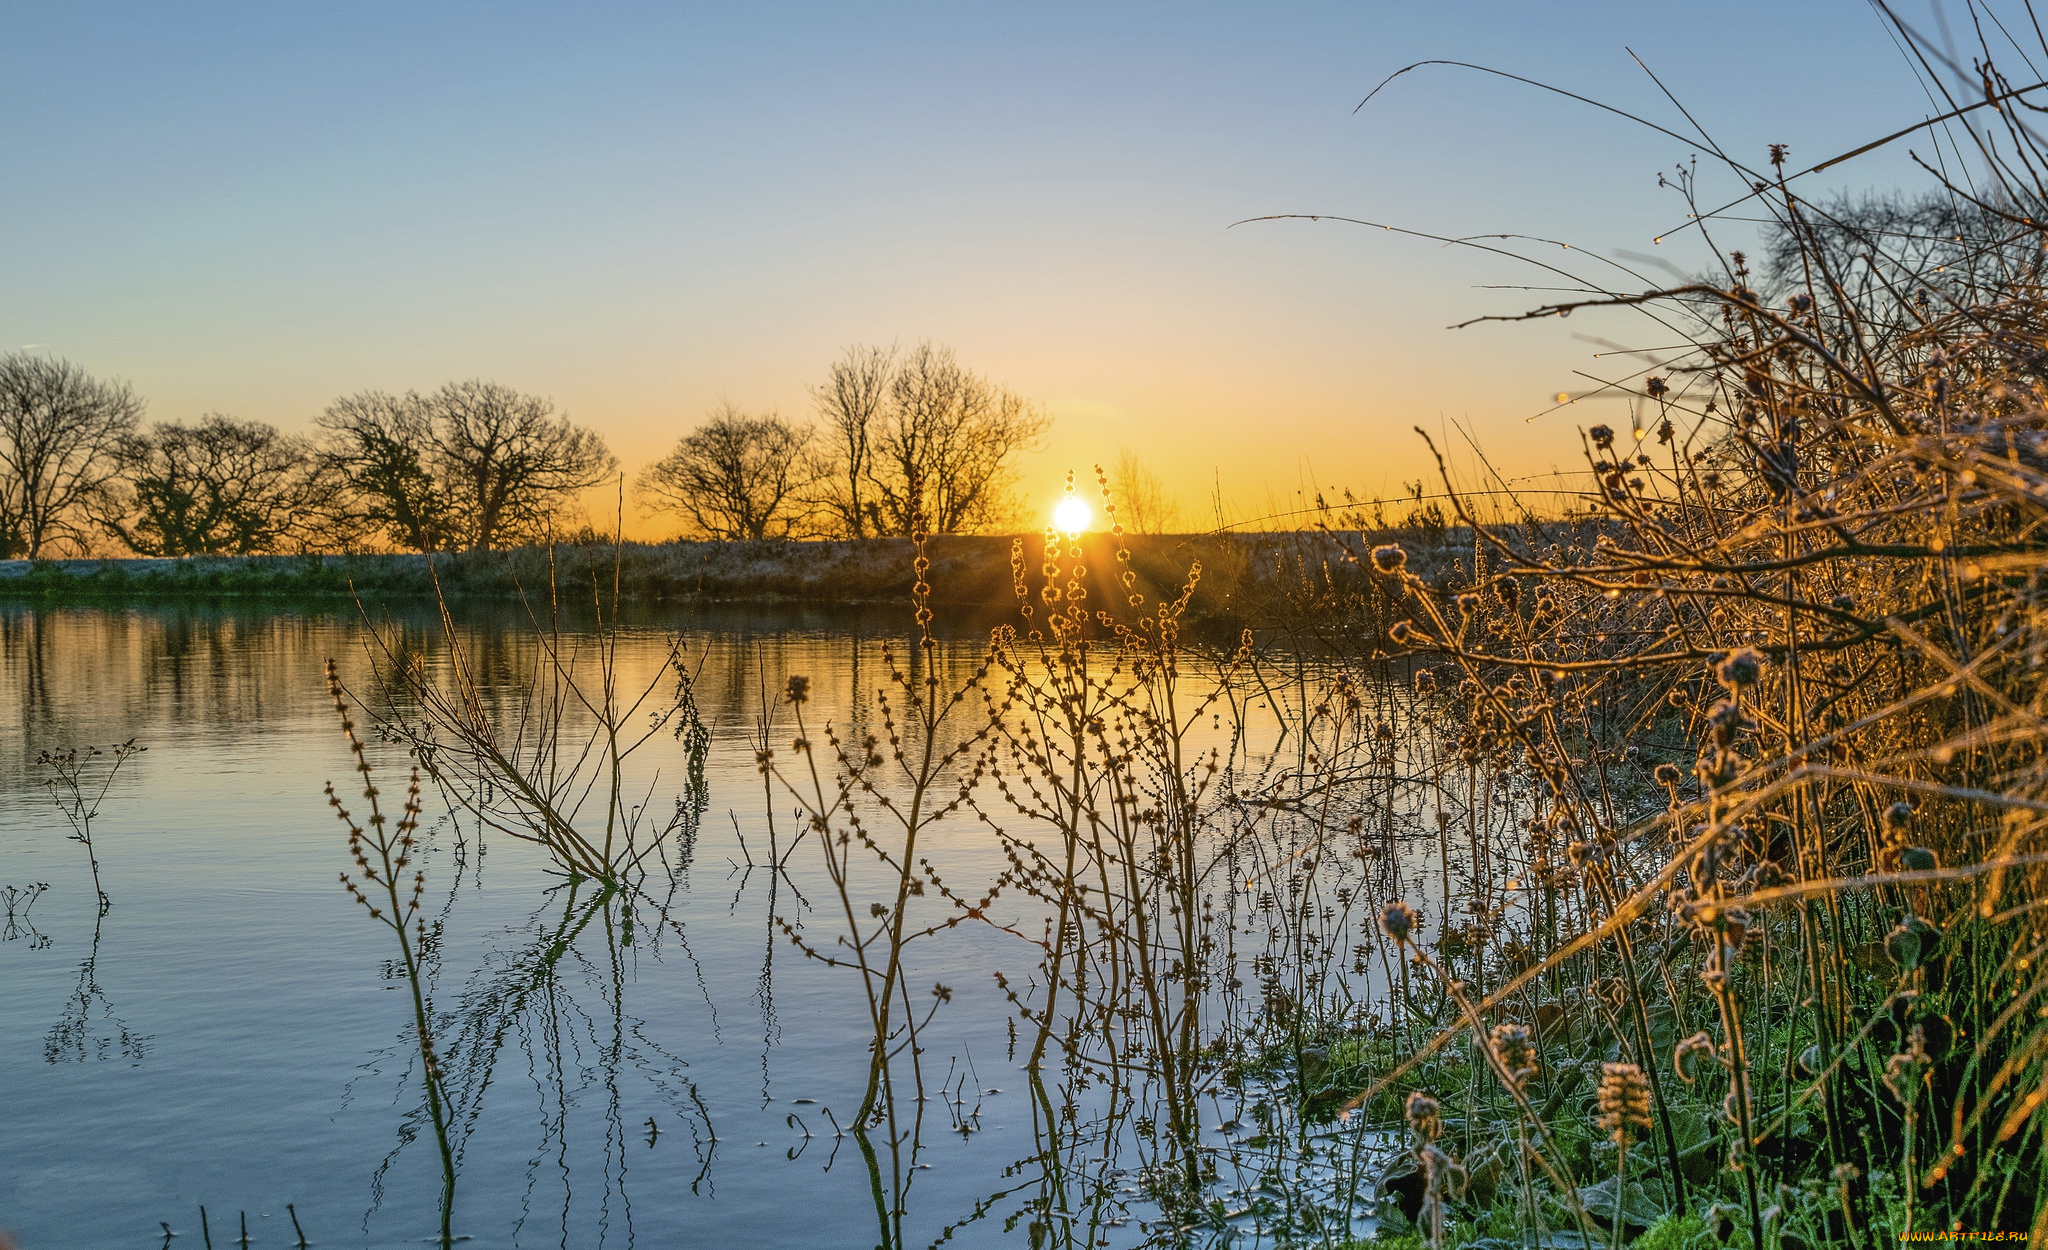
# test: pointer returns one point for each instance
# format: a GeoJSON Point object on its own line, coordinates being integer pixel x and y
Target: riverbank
{"type": "Point", "coordinates": [1247, 579]}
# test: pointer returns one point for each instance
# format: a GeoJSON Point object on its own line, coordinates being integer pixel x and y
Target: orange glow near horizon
{"type": "Point", "coordinates": [622, 215]}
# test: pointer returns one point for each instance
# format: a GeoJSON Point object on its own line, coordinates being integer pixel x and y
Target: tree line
{"type": "Point", "coordinates": [900, 439]}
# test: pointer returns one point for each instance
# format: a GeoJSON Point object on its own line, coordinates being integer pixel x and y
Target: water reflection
{"type": "Point", "coordinates": [557, 1000]}
{"type": "Point", "coordinates": [18, 900]}
{"type": "Point", "coordinates": [1159, 929]}
{"type": "Point", "coordinates": [547, 1012]}
{"type": "Point", "coordinates": [553, 993]}
{"type": "Point", "coordinates": [1130, 1021]}
{"type": "Point", "coordinates": [176, 671]}
{"type": "Point", "coordinates": [89, 1028]}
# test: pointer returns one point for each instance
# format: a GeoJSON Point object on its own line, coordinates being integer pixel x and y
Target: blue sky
{"type": "Point", "coordinates": [642, 210]}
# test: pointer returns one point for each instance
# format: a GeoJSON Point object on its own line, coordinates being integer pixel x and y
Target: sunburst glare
{"type": "Point", "coordinates": [1071, 515]}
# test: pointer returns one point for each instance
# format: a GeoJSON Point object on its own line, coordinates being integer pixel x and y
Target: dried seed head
{"type": "Point", "coordinates": [798, 690]}
{"type": "Point", "coordinates": [1739, 668]}
{"type": "Point", "coordinates": [1424, 1115]}
{"type": "Point", "coordinates": [1515, 1047]}
{"type": "Point", "coordinates": [1389, 558]}
{"type": "Point", "coordinates": [1399, 920]}
{"type": "Point", "coordinates": [1624, 1101]}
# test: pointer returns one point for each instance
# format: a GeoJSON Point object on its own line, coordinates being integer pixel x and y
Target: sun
{"type": "Point", "coordinates": [1071, 515]}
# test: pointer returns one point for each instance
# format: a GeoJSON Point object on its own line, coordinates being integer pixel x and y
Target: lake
{"type": "Point", "coordinates": [660, 1065]}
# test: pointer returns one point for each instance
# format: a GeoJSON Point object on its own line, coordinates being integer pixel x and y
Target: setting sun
{"type": "Point", "coordinates": [1071, 515]}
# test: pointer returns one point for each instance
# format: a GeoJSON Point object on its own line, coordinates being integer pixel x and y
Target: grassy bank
{"type": "Point", "coordinates": [1247, 580]}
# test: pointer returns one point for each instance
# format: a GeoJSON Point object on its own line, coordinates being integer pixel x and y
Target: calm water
{"type": "Point", "coordinates": [232, 1033]}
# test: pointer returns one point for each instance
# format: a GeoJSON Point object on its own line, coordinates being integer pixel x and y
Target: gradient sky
{"type": "Point", "coordinates": [642, 210]}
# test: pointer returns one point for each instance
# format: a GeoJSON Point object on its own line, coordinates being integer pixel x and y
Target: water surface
{"type": "Point", "coordinates": [233, 1031]}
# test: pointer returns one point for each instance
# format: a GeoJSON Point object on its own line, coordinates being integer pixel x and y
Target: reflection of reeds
{"type": "Point", "coordinates": [76, 1036]}
{"type": "Point", "coordinates": [522, 999]}
{"type": "Point", "coordinates": [19, 900]}
{"type": "Point", "coordinates": [382, 853]}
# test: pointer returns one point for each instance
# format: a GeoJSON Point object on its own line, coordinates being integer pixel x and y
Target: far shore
{"type": "Point", "coordinates": [1245, 576]}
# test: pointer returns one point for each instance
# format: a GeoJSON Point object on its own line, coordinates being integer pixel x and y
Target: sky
{"type": "Point", "coordinates": [642, 211]}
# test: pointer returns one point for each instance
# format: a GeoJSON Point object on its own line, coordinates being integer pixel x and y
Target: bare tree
{"type": "Point", "coordinates": [942, 455]}
{"type": "Point", "coordinates": [60, 436]}
{"type": "Point", "coordinates": [1935, 240]}
{"type": "Point", "coordinates": [509, 462]}
{"type": "Point", "coordinates": [222, 486]}
{"type": "Point", "coordinates": [474, 464]}
{"type": "Point", "coordinates": [736, 477]}
{"type": "Point", "coordinates": [1143, 504]}
{"type": "Point", "coordinates": [852, 403]}
{"type": "Point", "coordinates": [378, 446]}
